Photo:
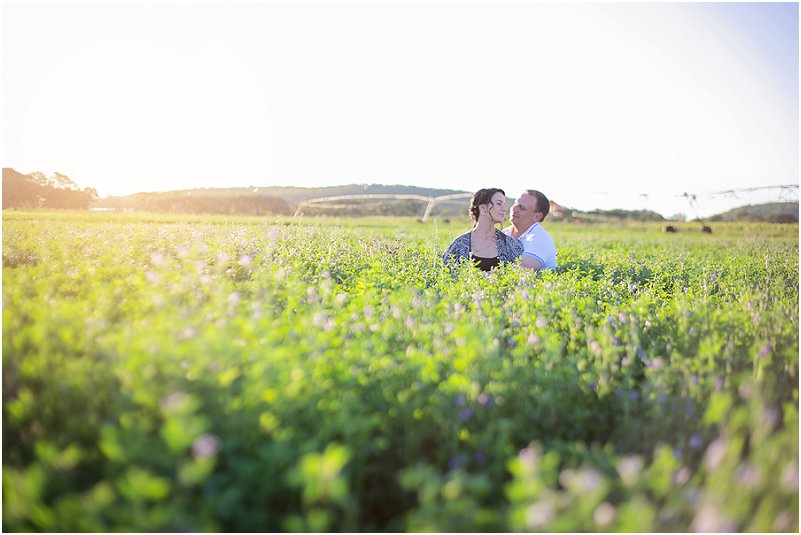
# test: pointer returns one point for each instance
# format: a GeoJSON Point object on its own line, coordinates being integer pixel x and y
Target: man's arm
{"type": "Point", "coordinates": [531, 262]}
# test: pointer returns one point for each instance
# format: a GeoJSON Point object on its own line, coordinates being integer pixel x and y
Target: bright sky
{"type": "Point", "coordinates": [597, 105]}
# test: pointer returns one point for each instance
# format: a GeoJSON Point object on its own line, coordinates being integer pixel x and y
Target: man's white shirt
{"type": "Point", "coordinates": [537, 243]}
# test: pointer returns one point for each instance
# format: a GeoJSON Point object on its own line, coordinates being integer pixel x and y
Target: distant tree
{"type": "Point", "coordinates": [35, 190]}
{"type": "Point", "coordinates": [60, 181]}
{"type": "Point", "coordinates": [20, 191]}
{"type": "Point", "coordinates": [786, 218]}
{"type": "Point", "coordinates": [38, 177]}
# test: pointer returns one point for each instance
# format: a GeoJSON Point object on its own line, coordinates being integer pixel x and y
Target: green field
{"type": "Point", "coordinates": [167, 373]}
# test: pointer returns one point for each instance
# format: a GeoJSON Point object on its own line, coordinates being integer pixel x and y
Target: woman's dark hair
{"type": "Point", "coordinates": [482, 196]}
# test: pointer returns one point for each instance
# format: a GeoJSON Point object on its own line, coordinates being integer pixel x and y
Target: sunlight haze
{"type": "Point", "coordinates": [597, 105]}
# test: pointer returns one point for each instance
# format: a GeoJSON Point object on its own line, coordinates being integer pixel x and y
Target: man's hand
{"type": "Point", "coordinates": [531, 262]}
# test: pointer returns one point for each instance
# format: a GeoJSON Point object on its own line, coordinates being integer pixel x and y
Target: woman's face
{"type": "Point", "coordinates": [496, 209]}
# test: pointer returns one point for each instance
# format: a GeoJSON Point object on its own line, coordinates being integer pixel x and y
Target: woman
{"type": "Point", "coordinates": [485, 246]}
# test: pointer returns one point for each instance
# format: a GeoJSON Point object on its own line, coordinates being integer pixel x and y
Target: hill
{"type": "Point", "coordinates": [292, 195]}
{"type": "Point", "coordinates": [289, 197]}
{"type": "Point", "coordinates": [613, 215]}
{"type": "Point", "coordinates": [774, 212]}
{"type": "Point", "coordinates": [176, 200]}
{"type": "Point", "coordinates": [35, 190]}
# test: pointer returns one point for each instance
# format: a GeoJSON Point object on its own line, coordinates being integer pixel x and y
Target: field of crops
{"type": "Point", "coordinates": [213, 374]}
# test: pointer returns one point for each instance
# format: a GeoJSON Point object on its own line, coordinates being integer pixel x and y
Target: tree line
{"type": "Point", "coordinates": [35, 190]}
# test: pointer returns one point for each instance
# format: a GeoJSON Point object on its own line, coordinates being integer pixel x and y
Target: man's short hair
{"type": "Point", "coordinates": [543, 204]}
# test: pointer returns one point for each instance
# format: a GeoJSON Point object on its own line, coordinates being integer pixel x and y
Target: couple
{"type": "Point", "coordinates": [488, 247]}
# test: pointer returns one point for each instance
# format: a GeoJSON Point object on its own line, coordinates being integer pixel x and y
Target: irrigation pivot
{"type": "Point", "coordinates": [431, 201]}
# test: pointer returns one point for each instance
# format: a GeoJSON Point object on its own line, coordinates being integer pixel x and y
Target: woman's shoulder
{"type": "Point", "coordinates": [460, 245]}
{"type": "Point", "coordinates": [512, 244]}
{"type": "Point", "coordinates": [462, 237]}
{"type": "Point", "coordinates": [506, 238]}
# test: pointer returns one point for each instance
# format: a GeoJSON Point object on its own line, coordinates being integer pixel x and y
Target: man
{"type": "Point", "coordinates": [528, 211]}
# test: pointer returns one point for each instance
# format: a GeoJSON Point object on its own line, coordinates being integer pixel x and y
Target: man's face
{"type": "Point", "coordinates": [524, 212]}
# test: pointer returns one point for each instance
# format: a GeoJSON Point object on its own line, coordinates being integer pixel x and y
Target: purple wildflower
{"type": "Point", "coordinates": [465, 414]}
{"type": "Point", "coordinates": [529, 458]}
{"type": "Point", "coordinates": [715, 453]}
{"type": "Point", "coordinates": [771, 416]}
{"type": "Point", "coordinates": [456, 462]}
{"type": "Point", "coordinates": [205, 446]}
{"type": "Point", "coordinates": [695, 442]}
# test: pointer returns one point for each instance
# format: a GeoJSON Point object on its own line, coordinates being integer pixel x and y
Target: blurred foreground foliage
{"type": "Point", "coordinates": [252, 375]}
